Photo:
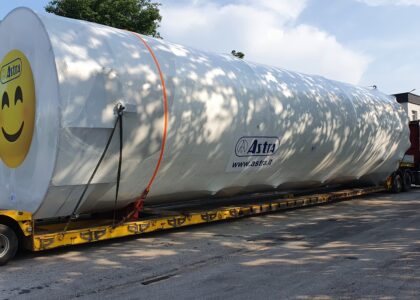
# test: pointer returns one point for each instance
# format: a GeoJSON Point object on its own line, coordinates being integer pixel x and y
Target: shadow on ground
{"type": "Point", "coordinates": [366, 247]}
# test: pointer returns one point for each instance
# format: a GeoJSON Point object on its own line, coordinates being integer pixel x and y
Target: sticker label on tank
{"type": "Point", "coordinates": [253, 153]}
{"type": "Point", "coordinates": [17, 109]}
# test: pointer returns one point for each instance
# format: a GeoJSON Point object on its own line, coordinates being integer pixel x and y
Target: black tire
{"type": "Point", "coordinates": [8, 244]}
{"type": "Point", "coordinates": [406, 182]}
{"type": "Point", "coordinates": [397, 183]}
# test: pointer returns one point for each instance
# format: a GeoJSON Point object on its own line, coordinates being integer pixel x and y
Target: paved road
{"type": "Point", "coordinates": [364, 248]}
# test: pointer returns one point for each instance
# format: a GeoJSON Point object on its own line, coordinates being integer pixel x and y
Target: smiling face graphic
{"type": "Point", "coordinates": [17, 108]}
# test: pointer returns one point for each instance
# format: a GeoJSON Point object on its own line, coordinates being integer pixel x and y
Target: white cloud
{"type": "Point", "coordinates": [267, 31]}
{"type": "Point", "coordinates": [390, 2]}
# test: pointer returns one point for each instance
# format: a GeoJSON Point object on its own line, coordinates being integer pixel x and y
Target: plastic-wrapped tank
{"type": "Point", "coordinates": [196, 123]}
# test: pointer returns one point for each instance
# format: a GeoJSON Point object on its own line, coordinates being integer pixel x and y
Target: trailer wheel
{"type": "Point", "coordinates": [397, 183]}
{"type": "Point", "coordinates": [407, 182]}
{"type": "Point", "coordinates": [8, 244]}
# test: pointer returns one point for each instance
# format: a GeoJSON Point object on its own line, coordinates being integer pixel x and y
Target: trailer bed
{"type": "Point", "coordinates": [49, 236]}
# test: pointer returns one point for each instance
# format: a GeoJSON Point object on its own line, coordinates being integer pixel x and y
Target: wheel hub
{"type": "Point", "coordinates": [4, 245]}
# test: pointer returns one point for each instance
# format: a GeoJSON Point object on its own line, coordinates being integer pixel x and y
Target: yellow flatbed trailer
{"type": "Point", "coordinates": [38, 237]}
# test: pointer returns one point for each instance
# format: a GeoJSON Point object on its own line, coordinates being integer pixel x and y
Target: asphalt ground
{"type": "Point", "coordinates": [365, 248]}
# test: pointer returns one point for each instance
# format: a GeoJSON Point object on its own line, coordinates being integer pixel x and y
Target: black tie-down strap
{"type": "Point", "coordinates": [119, 110]}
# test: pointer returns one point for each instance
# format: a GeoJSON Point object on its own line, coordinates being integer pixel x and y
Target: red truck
{"type": "Point", "coordinates": [409, 170]}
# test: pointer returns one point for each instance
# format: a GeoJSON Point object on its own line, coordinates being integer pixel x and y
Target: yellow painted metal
{"type": "Point", "coordinates": [23, 219]}
{"type": "Point", "coordinates": [388, 183]}
{"type": "Point", "coordinates": [91, 233]}
{"type": "Point", "coordinates": [407, 165]}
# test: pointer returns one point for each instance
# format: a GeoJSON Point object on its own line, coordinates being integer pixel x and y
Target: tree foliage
{"type": "Point", "coordinates": [142, 16]}
{"type": "Point", "coordinates": [238, 54]}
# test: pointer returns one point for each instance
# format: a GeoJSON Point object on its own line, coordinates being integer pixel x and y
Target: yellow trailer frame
{"type": "Point", "coordinates": [49, 236]}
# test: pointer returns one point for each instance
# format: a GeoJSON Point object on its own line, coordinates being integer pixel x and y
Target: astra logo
{"type": "Point", "coordinates": [256, 146]}
{"type": "Point", "coordinates": [11, 71]}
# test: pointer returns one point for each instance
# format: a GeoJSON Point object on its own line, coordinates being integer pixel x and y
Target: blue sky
{"type": "Point", "coordinates": [7, 5]}
{"type": "Point", "coordinates": [364, 42]}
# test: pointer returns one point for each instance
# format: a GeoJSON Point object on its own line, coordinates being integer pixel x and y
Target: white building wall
{"type": "Point", "coordinates": [413, 110]}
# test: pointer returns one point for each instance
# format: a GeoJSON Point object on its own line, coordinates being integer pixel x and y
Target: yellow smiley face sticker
{"type": "Point", "coordinates": [17, 108]}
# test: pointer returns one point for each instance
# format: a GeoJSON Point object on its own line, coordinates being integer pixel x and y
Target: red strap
{"type": "Point", "coordinates": [139, 202]}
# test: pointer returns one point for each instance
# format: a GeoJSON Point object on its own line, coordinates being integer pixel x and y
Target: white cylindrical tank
{"type": "Point", "coordinates": [196, 123]}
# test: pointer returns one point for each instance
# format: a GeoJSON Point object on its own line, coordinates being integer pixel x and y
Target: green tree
{"type": "Point", "coordinates": [238, 54]}
{"type": "Point", "coordinates": [142, 16]}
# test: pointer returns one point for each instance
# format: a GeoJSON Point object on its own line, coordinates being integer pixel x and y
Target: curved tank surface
{"type": "Point", "coordinates": [196, 123]}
